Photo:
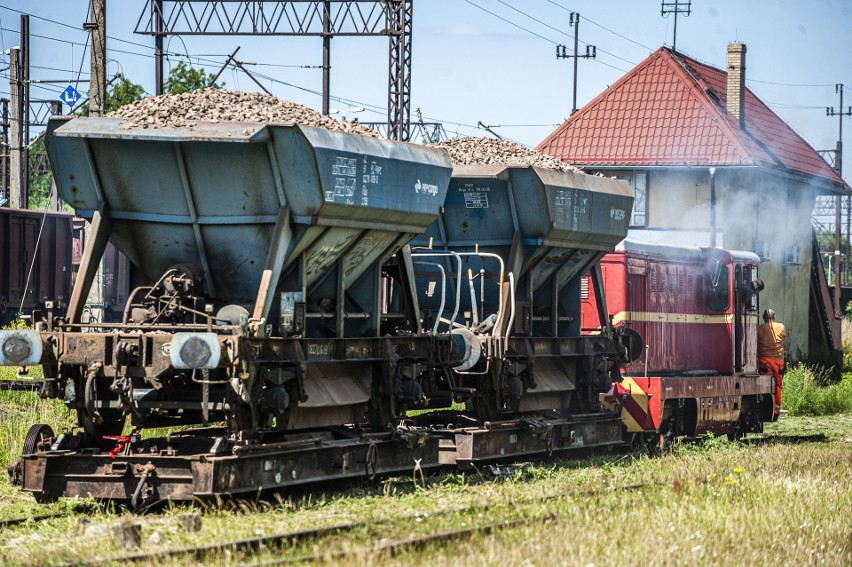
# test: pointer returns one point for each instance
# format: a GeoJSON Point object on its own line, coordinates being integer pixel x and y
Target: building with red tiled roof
{"type": "Point", "coordinates": [711, 164]}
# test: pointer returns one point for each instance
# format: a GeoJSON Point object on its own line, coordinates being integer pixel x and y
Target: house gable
{"type": "Point", "coordinates": [670, 110]}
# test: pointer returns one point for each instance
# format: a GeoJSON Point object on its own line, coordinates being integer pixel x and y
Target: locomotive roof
{"type": "Point", "coordinates": [685, 252]}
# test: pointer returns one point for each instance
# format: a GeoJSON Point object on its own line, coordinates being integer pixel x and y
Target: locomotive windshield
{"type": "Point", "coordinates": [719, 284]}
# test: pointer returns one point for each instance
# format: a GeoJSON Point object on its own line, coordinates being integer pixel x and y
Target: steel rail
{"type": "Point", "coordinates": [20, 385]}
{"type": "Point", "coordinates": [277, 540]}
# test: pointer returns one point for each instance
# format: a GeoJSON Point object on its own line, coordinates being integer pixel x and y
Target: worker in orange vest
{"type": "Point", "coordinates": [770, 351]}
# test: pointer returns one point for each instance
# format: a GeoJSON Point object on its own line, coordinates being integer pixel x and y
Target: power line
{"type": "Point", "coordinates": [511, 23]}
{"type": "Point", "coordinates": [798, 106]}
{"type": "Point", "coordinates": [603, 27]}
{"type": "Point", "coordinates": [786, 84]}
{"type": "Point", "coordinates": [562, 32]}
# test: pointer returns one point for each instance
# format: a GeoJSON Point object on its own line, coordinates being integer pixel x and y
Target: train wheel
{"type": "Point", "coordinates": [35, 434]}
{"type": "Point", "coordinates": [736, 435]}
{"type": "Point", "coordinates": [98, 422]}
{"type": "Point", "coordinates": [484, 407]}
{"type": "Point", "coordinates": [383, 413]}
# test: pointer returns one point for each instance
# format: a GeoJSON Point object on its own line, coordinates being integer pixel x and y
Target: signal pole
{"type": "Point", "coordinates": [838, 168]}
{"type": "Point", "coordinates": [675, 8]}
{"type": "Point", "coordinates": [561, 52]}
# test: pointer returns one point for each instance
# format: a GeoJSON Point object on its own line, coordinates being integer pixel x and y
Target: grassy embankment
{"type": "Point", "coordinates": [719, 502]}
{"type": "Point", "coordinates": [715, 503]}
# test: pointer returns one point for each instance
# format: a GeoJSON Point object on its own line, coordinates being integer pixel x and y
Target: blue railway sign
{"type": "Point", "coordinates": [69, 96]}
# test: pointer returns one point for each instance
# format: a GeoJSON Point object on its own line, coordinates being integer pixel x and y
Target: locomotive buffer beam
{"type": "Point", "coordinates": [203, 464]}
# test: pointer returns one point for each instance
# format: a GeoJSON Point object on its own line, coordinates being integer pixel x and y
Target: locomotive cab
{"type": "Point", "coordinates": [696, 309]}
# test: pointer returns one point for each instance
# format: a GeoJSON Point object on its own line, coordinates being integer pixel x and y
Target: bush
{"type": "Point", "coordinates": [811, 392]}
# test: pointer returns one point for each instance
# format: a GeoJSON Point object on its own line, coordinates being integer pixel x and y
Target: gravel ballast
{"type": "Point", "coordinates": [223, 105]}
{"type": "Point", "coordinates": [493, 151]}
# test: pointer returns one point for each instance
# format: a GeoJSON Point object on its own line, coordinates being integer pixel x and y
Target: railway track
{"type": "Point", "coordinates": [18, 521]}
{"type": "Point", "coordinates": [280, 540]}
{"type": "Point", "coordinates": [19, 385]}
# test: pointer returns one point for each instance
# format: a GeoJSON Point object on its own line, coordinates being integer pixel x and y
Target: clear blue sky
{"type": "Point", "coordinates": [490, 60]}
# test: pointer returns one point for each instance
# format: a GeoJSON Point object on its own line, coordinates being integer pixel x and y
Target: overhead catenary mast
{"type": "Point", "coordinates": [319, 18]}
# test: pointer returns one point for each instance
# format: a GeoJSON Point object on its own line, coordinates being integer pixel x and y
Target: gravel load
{"type": "Point", "coordinates": [493, 151]}
{"type": "Point", "coordinates": [223, 105]}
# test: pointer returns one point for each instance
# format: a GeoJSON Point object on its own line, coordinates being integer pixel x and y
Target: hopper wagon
{"type": "Point", "coordinates": [271, 290]}
{"type": "Point", "coordinates": [500, 270]}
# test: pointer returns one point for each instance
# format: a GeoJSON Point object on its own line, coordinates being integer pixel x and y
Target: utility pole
{"type": "Point", "coordinates": [97, 84]}
{"type": "Point", "coordinates": [326, 56]}
{"type": "Point", "coordinates": [838, 168]}
{"type": "Point", "coordinates": [24, 115]}
{"type": "Point", "coordinates": [4, 151]}
{"type": "Point", "coordinates": [157, 18]}
{"type": "Point", "coordinates": [676, 7]}
{"type": "Point", "coordinates": [561, 52]}
{"type": "Point", "coordinates": [17, 159]}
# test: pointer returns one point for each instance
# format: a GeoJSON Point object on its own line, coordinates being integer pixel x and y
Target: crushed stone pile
{"type": "Point", "coordinates": [493, 151]}
{"type": "Point", "coordinates": [223, 105]}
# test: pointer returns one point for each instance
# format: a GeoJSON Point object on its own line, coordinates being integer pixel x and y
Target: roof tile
{"type": "Point", "coordinates": [670, 110]}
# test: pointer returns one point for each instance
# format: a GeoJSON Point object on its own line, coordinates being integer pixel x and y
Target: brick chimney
{"type": "Point", "coordinates": [736, 81]}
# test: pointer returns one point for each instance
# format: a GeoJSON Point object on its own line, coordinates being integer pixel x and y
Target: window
{"type": "Point", "coordinates": [719, 284]}
{"type": "Point", "coordinates": [792, 255]}
{"type": "Point", "coordinates": [639, 182]}
{"type": "Point", "coordinates": [759, 247]}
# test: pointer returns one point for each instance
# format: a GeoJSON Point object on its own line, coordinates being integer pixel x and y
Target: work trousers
{"type": "Point", "coordinates": [774, 366]}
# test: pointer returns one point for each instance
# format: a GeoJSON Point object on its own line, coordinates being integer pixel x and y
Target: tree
{"type": "Point", "coordinates": [184, 78]}
{"type": "Point", "coordinates": [119, 93]}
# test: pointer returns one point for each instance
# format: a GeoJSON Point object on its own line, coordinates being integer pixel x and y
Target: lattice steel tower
{"type": "Point", "coordinates": [318, 18]}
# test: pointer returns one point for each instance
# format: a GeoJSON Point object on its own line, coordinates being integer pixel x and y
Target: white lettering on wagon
{"type": "Point", "coordinates": [323, 350]}
{"type": "Point", "coordinates": [425, 188]}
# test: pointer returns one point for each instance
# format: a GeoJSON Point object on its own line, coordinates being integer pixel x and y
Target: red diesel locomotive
{"type": "Point", "coordinates": [696, 311]}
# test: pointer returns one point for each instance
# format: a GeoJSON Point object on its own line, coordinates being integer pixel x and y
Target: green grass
{"type": "Point", "coordinates": [20, 410]}
{"type": "Point", "coordinates": [809, 392]}
{"type": "Point", "coordinates": [715, 503]}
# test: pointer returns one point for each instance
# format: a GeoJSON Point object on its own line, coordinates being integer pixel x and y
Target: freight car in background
{"type": "Point", "coordinates": [36, 260]}
{"type": "Point", "coordinates": [697, 311]}
{"type": "Point", "coordinates": [40, 254]}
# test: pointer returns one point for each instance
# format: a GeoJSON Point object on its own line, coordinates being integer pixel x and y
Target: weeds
{"type": "Point", "coordinates": [18, 411]}
{"type": "Point", "coordinates": [809, 392]}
